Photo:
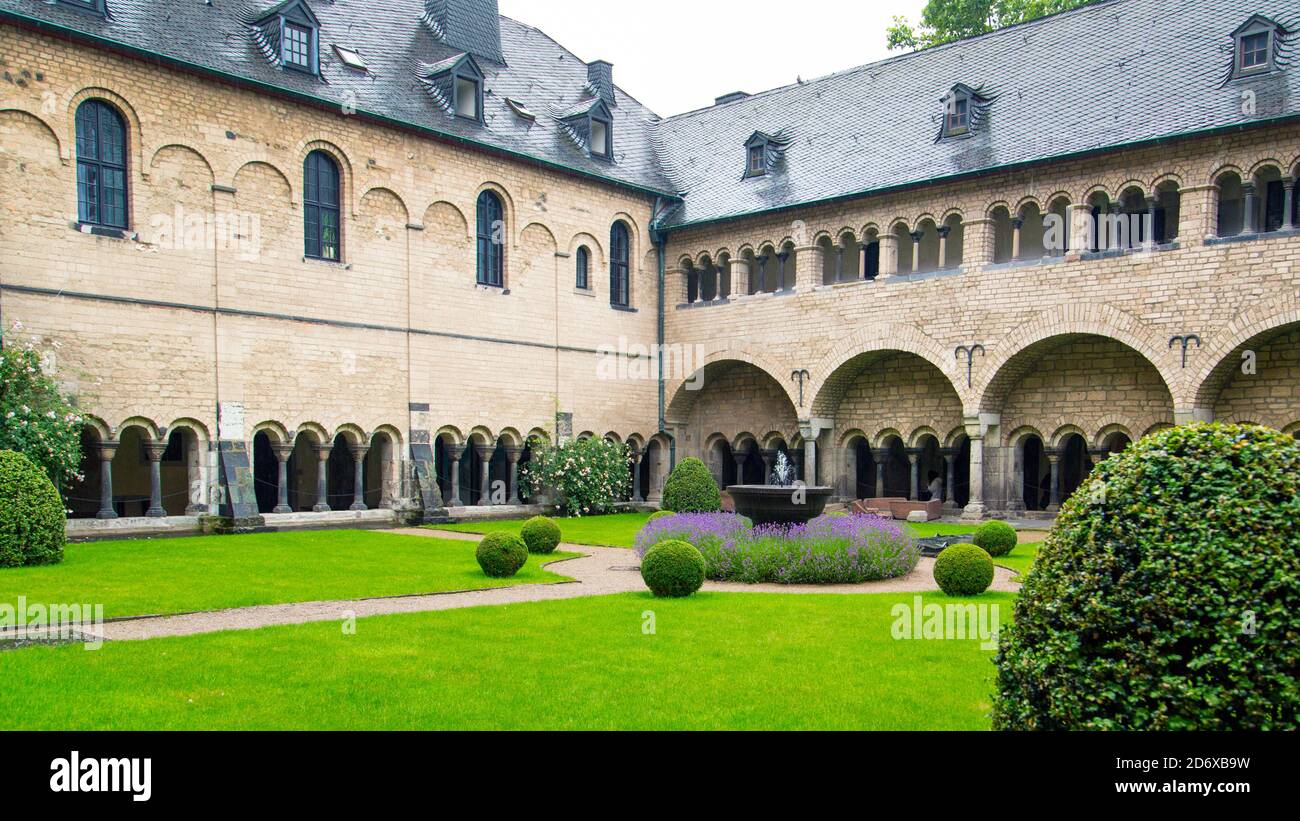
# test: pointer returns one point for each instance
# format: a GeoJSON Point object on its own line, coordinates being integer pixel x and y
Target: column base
{"type": "Point", "coordinates": [320, 509]}
{"type": "Point", "coordinates": [1053, 509]}
{"type": "Point", "coordinates": [281, 509]}
{"type": "Point", "coordinates": [155, 513]}
{"type": "Point", "coordinates": [358, 506]}
{"type": "Point", "coordinates": [106, 514]}
{"type": "Point", "coordinates": [974, 512]}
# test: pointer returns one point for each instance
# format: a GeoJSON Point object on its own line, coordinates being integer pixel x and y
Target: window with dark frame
{"type": "Point", "coordinates": [584, 268]}
{"type": "Point", "coordinates": [1254, 51]}
{"type": "Point", "coordinates": [297, 46]}
{"type": "Point", "coordinates": [757, 160]}
{"type": "Point", "coordinates": [600, 138]}
{"type": "Point", "coordinates": [619, 256]}
{"type": "Point", "coordinates": [468, 92]}
{"type": "Point", "coordinates": [958, 121]}
{"type": "Point", "coordinates": [321, 207]}
{"type": "Point", "coordinates": [101, 165]}
{"type": "Point", "coordinates": [491, 229]}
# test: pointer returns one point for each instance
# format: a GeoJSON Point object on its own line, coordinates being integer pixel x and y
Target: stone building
{"type": "Point", "coordinates": [301, 257]}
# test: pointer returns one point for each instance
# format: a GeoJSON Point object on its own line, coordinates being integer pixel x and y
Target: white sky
{"type": "Point", "coordinates": [678, 55]}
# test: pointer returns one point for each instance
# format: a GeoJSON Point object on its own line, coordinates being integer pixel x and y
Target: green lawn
{"type": "Point", "coordinates": [616, 530]}
{"type": "Point", "coordinates": [132, 578]}
{"type": "Point", "coordinates": [717, 661]}
{"type": "Point", "coordinates": [1020, 559]}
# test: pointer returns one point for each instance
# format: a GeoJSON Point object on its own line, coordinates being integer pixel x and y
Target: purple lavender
{"type": "Point", "coordinates": [827, 550]}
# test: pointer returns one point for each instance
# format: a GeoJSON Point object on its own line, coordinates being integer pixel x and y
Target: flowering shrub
{"type": "Point", "coordinates": [827, 550]}
{"type": "Point", "coordinates": [35, 419]}
{"type": "Point", "coordinates": [587, 475]}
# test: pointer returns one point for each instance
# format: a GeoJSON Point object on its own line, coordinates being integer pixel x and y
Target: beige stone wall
{"type": "Point", "coordinates": [171, 322]}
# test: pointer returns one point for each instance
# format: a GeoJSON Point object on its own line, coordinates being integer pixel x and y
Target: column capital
{"type": "Point", "coordinates": [155, 450]}
{"type": "Point", "coordinates": [283, 450]}
{"type": "Point", "coordinates": [484, 452]}
{"type": "Point", "coordinates": [322, 451]}
{"type": "Point", "coordinates": [108, 449]}
{"type": "Point", "coordinates": [358, 451]}
{"type": "Point", "coordinates": [513, 453]}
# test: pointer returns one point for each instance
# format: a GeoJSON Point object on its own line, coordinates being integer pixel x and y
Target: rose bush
{"type": "Point", "coordinates": [587, 476]}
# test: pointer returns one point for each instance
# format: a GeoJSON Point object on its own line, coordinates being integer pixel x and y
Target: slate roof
{"type": "Point", "coordinates": [1116, 73]}
{"type": "Point", "coordinates": [1119, 72]}
{"type": "Point", "coordinates": [394, 41]}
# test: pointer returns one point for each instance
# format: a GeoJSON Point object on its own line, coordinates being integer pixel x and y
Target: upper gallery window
{"type": "Point", "coordinates": [101, 165]}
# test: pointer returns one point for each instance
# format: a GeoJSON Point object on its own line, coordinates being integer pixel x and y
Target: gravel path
{"type": "Point", "coordinates": [600, 571]}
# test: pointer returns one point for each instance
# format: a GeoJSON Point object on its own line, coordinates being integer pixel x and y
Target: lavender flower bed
{"type": "Point", "coordinates": [827, 550]}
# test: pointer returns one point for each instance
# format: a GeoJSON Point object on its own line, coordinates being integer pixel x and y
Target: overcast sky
{"type": "Point", "coordinates": [678, 55]}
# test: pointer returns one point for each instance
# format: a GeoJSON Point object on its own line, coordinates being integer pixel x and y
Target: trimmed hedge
{"type": "Point", "coordinates": [659, 514]}
{"type": "Point", "coordinates": [997, 538]}
{"type": "Point", "coordinates": [1165, 598]}
{"type": "Point", "coordinates": [541, 535]}
{"type": "Point", "coordinates": [690, 489]}
{"type": "Point", "coordinates": [501, 555]}
{"type": "Point", "coordinates": [964, 570]}
{"type": "Point", "coordinates": [673, 569]}
{"type": "Point", "coordinates": [32, 518]}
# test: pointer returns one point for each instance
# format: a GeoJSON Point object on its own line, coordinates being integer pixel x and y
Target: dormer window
{"type": "Point", "coordinates": [94, 6]}
{"type": "Point", "coordinates": [297, 46]}
{"type": "Point", "coordinates": [469, 96]}
{"type": "Point", "coordinates": [290, 37]}
{"type": "Point", "coordinates": [590, 125]}
{"type": "Point", "coordinates": [1255, 43]}
{"type": "Point", "coordinates": [763, 153]}
{"type": "Point", "coordinates": [964, 111]}
{"type": "Point", "coordinates": [957, 120]}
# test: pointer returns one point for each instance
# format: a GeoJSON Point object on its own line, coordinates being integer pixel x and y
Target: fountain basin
{"type": "Point", "coordinates": [769, 504]}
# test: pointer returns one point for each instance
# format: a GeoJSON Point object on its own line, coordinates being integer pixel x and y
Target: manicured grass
{"type": "Point", "coordinates": [146, 577]}
{"type": "Point", "coordinates": [927, 529]}
{"type": "Point", "coordinates": [615, 530]}
{"type": "Point", "coordinates": [1020, 559]}
{"type": "Point", "coordinates": [716, 661]}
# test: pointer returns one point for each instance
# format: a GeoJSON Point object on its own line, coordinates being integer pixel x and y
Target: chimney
{"type": "Point", "coordinates": [469, 25]}
{"type": "Point", "coordinates": [733, 97]}
{"type": "Point", "coordinates": [600, 76]}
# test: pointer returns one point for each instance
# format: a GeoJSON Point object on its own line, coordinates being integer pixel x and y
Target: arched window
{"type": "Point", "coordinates": [618, 265]}
{"type": "Point", "coordinates": [491, 233]}
{"type": "Point", "coordinates": [320, 199]}
{"type": "Point", "coordinates": [101, 165]}
{"type": "Point", "coordinates": [584, 268]}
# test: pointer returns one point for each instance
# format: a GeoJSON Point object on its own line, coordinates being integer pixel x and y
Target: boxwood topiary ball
{"type": "Point", "coordinates": [501, 555]}
{"type": "Point", "coordinates": [1166, 596]}
{"type": "Point", "coordinates": [32, 518]}
{"type": "Point", "coordinates": [660, 514]}
{"type": "Point", "coordinates": [690, 489]}
{"type": "Point", "coordinates": [997, 538]}
{"type": "Point", "coordinates": [673, 569]}
{"type": "Point", "coordinates": [964, 570]}
{"type": "Point", "coordinates": [540, 535]}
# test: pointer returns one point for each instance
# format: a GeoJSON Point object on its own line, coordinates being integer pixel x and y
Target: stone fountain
{"type": "Point", "coordinates": [785, 501]}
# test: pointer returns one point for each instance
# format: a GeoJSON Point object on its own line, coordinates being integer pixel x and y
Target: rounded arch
{"type": "Point", "coordinates": [1107, 432]}
{"type": "Point", "coordinates": [452, 433]}
{"type": "Point", "coordinates": [378, 192]}
{"type": "Point", "coordinates": [593, 246]}
{"type": "Point", "coordinates": [393, 432]}
{"type": "Point", "coordinates": [539, 435]}
{"type": "Point", "coordinates": [142, 422]}
{"type": "Point", "coordinates": [1167, 178]}
{"type": "Point", "coordinates": [481, 435]}
{"type": "Point", "coordinates": [200, 429]}
{"type": "Point", "coordinates": [993, 209]}
{"type": "Point", "coordinates": [851, 436]}
{"type": "Point", "coordinates": [241, 167]}
{"type": "Point", "coordinates": [135, 130]}
{"type": "Point", "coordinates": [278, 432]}
{"type": "Point", "coordinates": [44, 124]}
{"type": "Point", "coordinates": [352, 432]}
{"type": "Point", "coordinates": [774, 439]}
{"type": "Point", "coordinates": [636, 442]}
{"type": "Point", "coordinates": [156, 156]}
{"type": "Point", "coordinates": [917, 437]}
{"type": "Point", "coordinates": [1016, 437]}
{"type": "Point", "coordinates": [1225, 354]}
{"type": "Point", "coordinates": [1266, 165]}
{"type": "Point", "coordinates": [885, 436]}
{"type": "Point", "coordinates": [446, 214]}
{"type": "Point", "coordinates": [955, 437]}
{"type": "Point", "coordinates": [347, 182]}
{"type": "Point", "coordinates": [1059, 435]}
{"type": "Point", "coordinates": [507, 206]}
{"type": "Point", "coordinates": [315, 430]}
{"type": "Point", "coordinates": [830, 378]}
{"type": "Point", "coordinates": [101, 428]}
{"type": "Point", "coordinates": [684, 390]}
{"type": "Point", "coordinates": [993, 377]}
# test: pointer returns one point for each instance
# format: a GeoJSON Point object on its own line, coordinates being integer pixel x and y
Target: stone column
{"type": "Point", "coordinates": [839, 263]}
{"type": "Point", "coordinates": [798, 462]}
{"type": "Point", "coordinates": [358, 476]}
{"type": "Point", "coordinates": [322, 478]}
{"type": "Point", "coordinates": [512, 456]}
{"type": "Point", "coordinates": [1054, 457]}
{"type": "Point", "coordinates": [810, 461]}
{"type": "Point", "coordinates": [740, 271]}
{"type": "Point", "coordinates": [1248, 208]}
{"type": "Point", "coordinates": [455, 501]}
{"type": "Point", "coordinates": [1149, 241]}
{"type": "Point", "coordinates": [977, 237]}
{"type": "Point", "coordinates": [1016, 498]}
{"type": "Point", "coordinates": [888, 255]}
{"type": "Point", "coordinates": [944, 231]}
{"type": "Point", "coordinates": [879, 456]}
{"type": "Point", "coordinates": [757, 285]}
{"type": "Point", "coordinates": [107, 450]}
{"type": "Point", "coordinates": [1080, 225]}
{"type": "Point", "coordinates": [637, 456]}
{"type": "Point", "coordinates": [282, 454]}
{"type": "Point", "coordinates": [916, 236]}
{"type": "Point", "coordinates": [975, 505]}
{"type": "Point", "coordinates": [1016, 224]}
{"type": "Point", "coordinates": [741, 458]}
{"type": "Point", "coordinates": [950, 486]}
{"type": "Point", "coordinates": [866, 251]}
{"type": "Point", "coordinates": [914, 458]}
{"type": "Point", "coordinates": [809, 263]}
{"type": "Point", "coordinates": [769, 460]}
{"type": "Point", "coordinates": [155, 451]}
{"type": "Point", "coordinates": [1288, 205]}
{"type": "Point", "coordinates": [484, 454]}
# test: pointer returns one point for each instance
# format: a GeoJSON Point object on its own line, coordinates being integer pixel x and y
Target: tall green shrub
{"type": "Point", "coordinates": [35, 418]}
{"type": "Point", "coordinates": [1166, 597]}
{"type": "Point", "coordinates": [32, 517]}
{"type": "Point", "coordinates": [690, 489]}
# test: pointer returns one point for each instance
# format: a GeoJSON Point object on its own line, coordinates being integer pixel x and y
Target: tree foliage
{"type": "Point", "coordinates": [943, 21]}
{"type": "Point", "coordinates": [36, 420]}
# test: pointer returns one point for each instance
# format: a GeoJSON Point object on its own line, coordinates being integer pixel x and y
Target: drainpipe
{"type": "Point", "coordinates": [660, 240]}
